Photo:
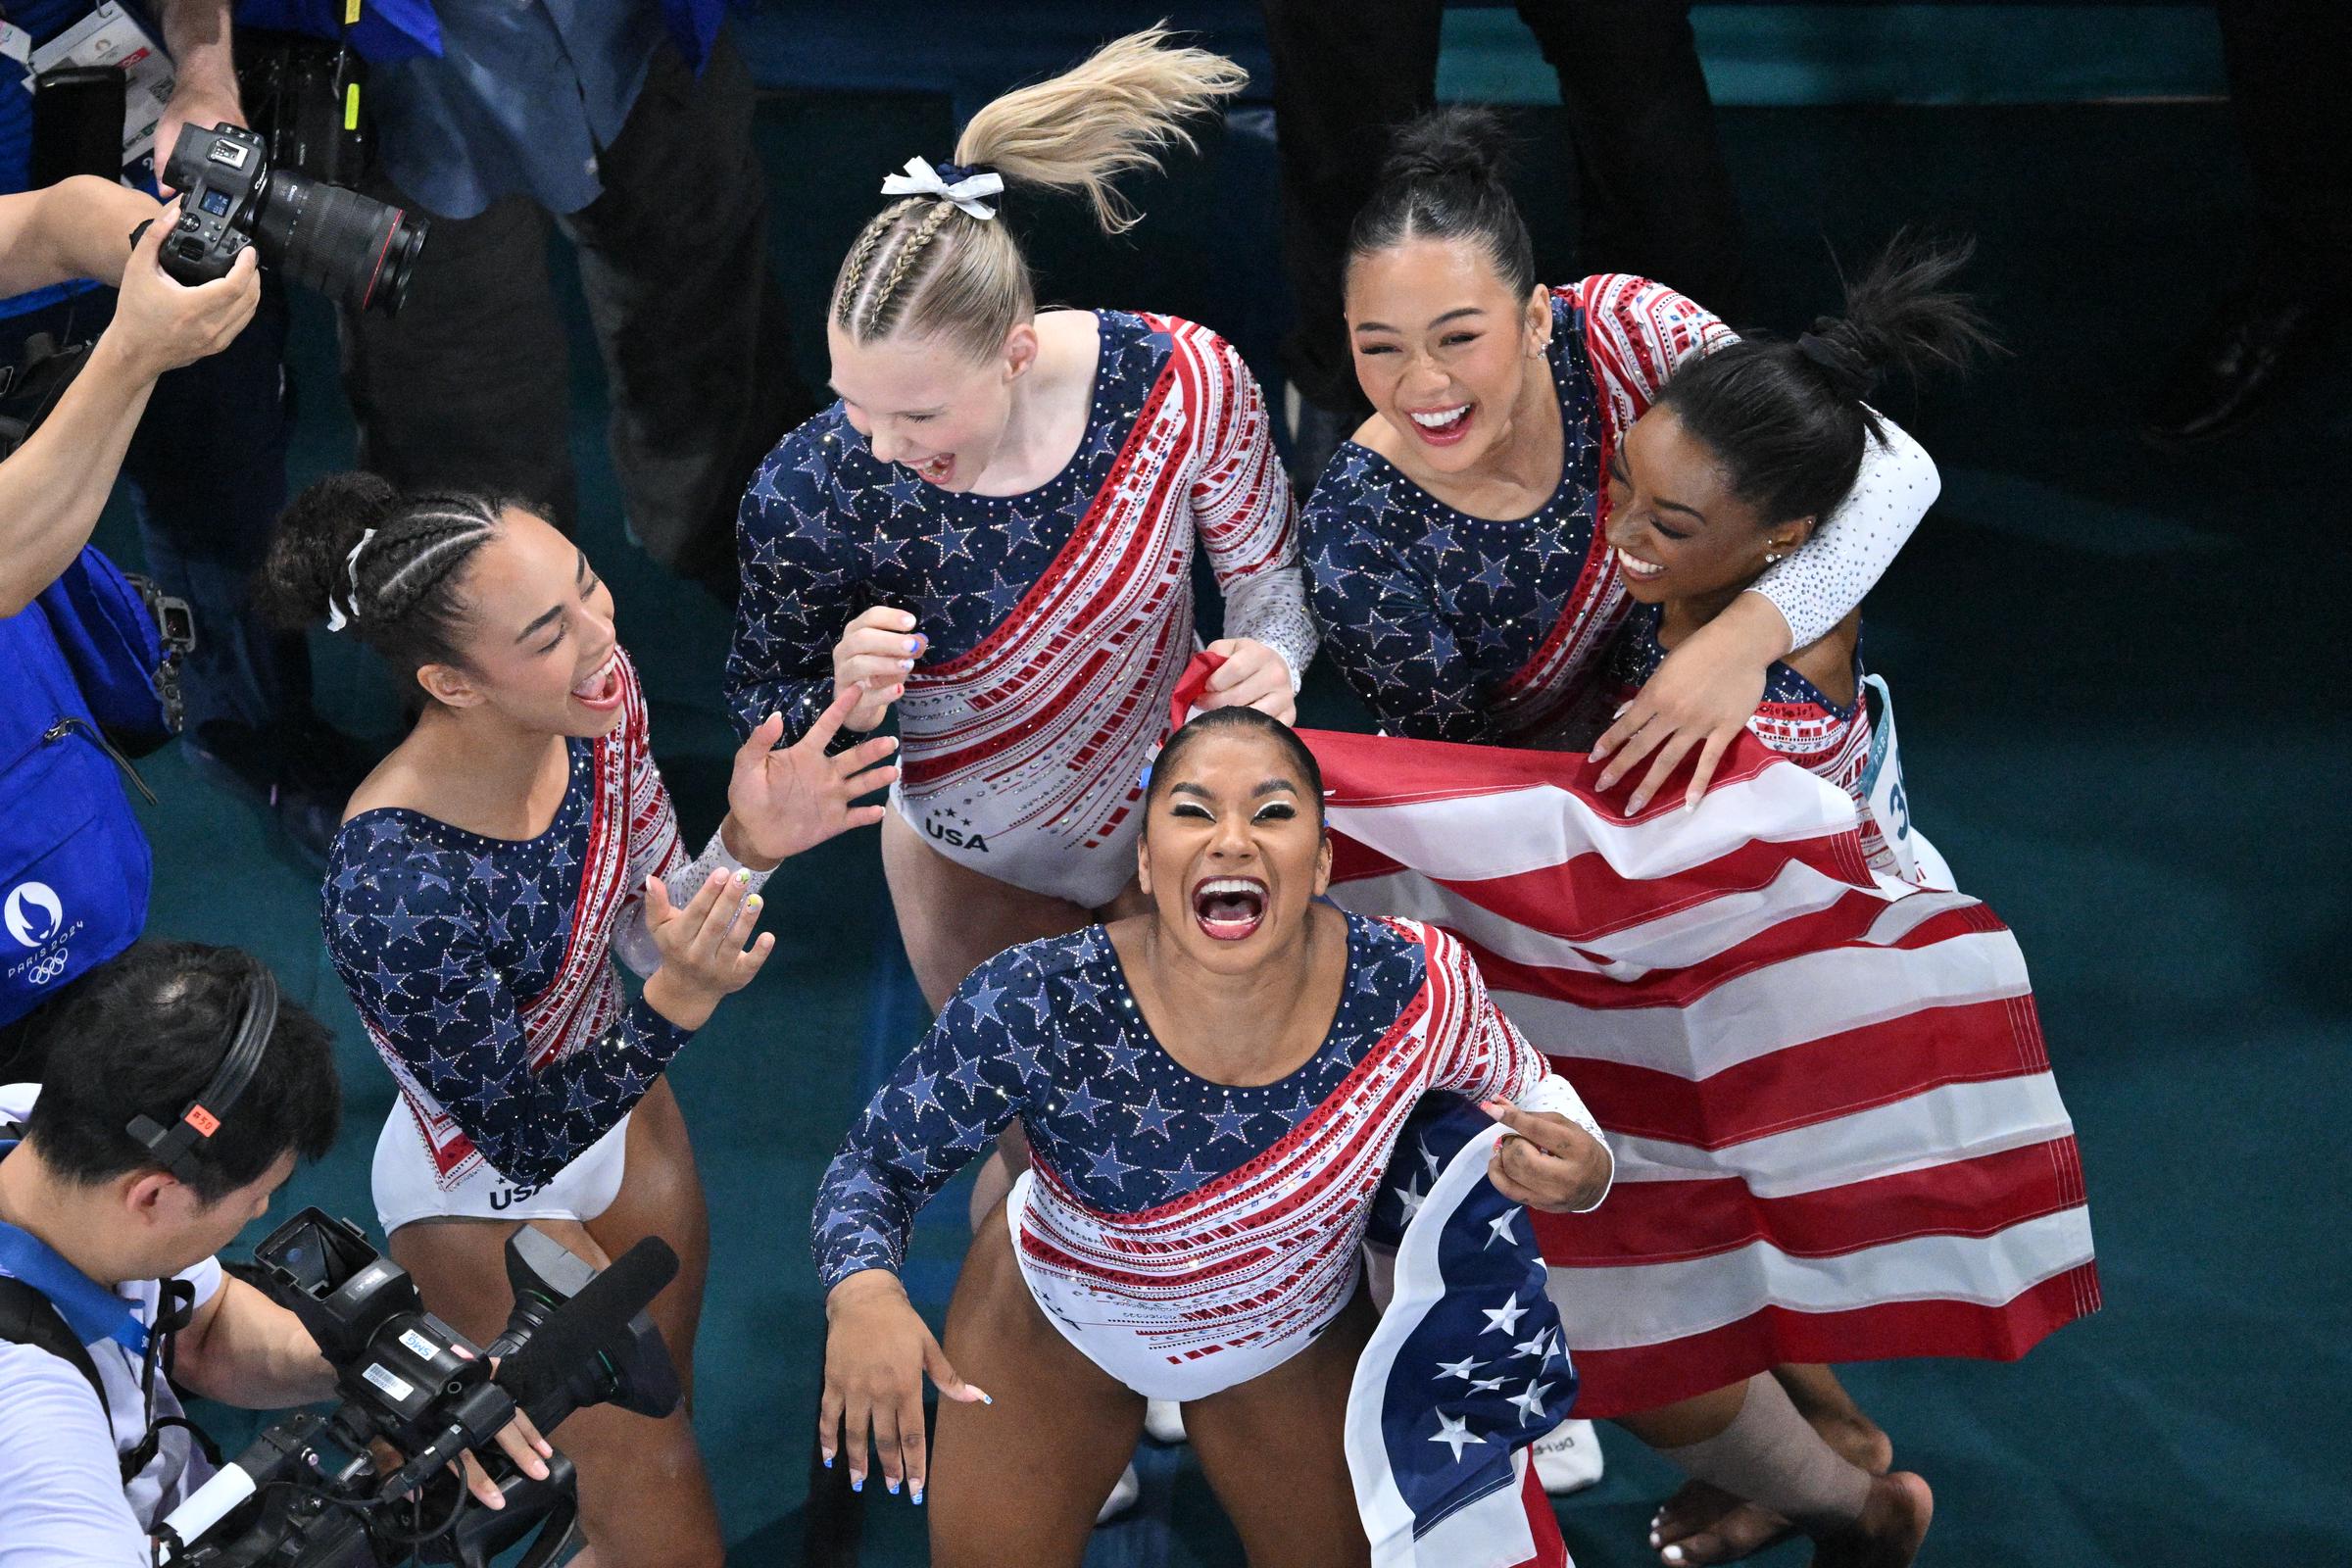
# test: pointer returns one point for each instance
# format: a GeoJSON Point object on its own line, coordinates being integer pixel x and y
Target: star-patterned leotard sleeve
{"type": "Point", "coordinates": [1243, 508]}
{"type": "Point", "coordinates": [425, 938]}
{"type": "Point", "coordinates": [792, 538]}
{"type": "Point", "coordinates": [972, 1075]}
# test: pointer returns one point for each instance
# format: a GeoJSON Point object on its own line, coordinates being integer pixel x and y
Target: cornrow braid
{"type": "Point", "coordinates": [852, 271]}
{"type": "Point", "coordinates": [962, 280]}
{"type": "Point", "coordinates": [879, 315]}
{"type": "Point", "coordinates": [392, 566]}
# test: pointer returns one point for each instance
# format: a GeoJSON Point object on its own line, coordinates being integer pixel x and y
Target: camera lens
{"type": "Point", "coordinates": [345, 245]}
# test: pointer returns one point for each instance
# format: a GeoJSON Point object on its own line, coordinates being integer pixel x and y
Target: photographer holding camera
{"type": "Point", "coordinates": [53, 486]}
{"type": "Point", "coordinates": [181, 1094]}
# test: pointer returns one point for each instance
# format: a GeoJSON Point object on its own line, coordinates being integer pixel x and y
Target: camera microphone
{"type": "Point", "coordinates": [577, 1330]}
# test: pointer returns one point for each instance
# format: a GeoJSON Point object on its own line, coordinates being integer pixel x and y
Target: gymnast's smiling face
{"type": "Point", "coordinates": [1233, 850]}
{"type": "Point", "coordinates": [540, 651]}
{"type": "Point", "coordinates": [1445, 350]}
{"type": "Point", "coordinates": [927, 404]}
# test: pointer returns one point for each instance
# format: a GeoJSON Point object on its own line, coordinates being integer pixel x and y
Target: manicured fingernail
{"type": "Point", "coordinates": [1653, 1541]}
{"type": "Point", "coordinates": [917, 1495]}
{"type": "Point", "coordinates": [984, 1398]}
{"type": "Point", "coordinates": [856, 1483]}
{"type": "Point", "coordinates": [752, 902]}
{"type": "Point", "coordinates": [906, 663]}
{"type": "Point", "coordinates": [828, 1459]}
{"type": "Point", "coordinates": [546, 1449]}
{"type": "Point", "coordinates": [1671, 1554]}
{"type": "Point", "coordinates": [893, 1485]}
{"type": "Point", "coordinates": [742, 875]}
{"type": "Point", "coordinates": [1492, 1107]}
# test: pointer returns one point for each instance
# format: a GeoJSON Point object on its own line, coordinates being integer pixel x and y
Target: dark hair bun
{"type": "Point", "coordinates": [1461, 144]}
{"type": "Point", "coordinates": [308, 554]}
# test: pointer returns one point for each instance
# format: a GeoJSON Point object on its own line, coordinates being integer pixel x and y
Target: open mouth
{"type": "Point", "coordinates": [1230, 908]}
{"type": "Point", "coordinates": [602, 689]}
{"type": "Point", "coordinates": [1637, 569]}
{"type": "Point", "coordinates": [1440, 427]}
{"type": "Point", "coordinates": [935, 471]}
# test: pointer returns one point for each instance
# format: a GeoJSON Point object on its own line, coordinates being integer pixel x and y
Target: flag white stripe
{"type": "Point", "coordinates": [1503, 832]}
{"type": "Point", "coordinates": [1652, 1304]}
{"type": "Point", "coordinates": [1952, 1122]}
{"type": "Point", "coordinates": [1803, 999]}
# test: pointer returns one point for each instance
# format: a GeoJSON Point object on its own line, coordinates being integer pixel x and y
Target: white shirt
{"type": "Point", "coordinates": [62, 1502]}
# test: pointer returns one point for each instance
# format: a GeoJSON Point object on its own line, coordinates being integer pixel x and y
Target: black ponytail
{"type": "Point", "coordinates": [1787, 421]}
{"type": "Point", "coordinates": [399, 593]}
{"type": "Point", "coordinates": [1443, 179]}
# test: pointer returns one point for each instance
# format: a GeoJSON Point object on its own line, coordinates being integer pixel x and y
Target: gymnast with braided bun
{"type": "Point", "coordinates": [486, 876]}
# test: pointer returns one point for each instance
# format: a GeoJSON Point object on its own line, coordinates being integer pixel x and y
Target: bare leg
{"type": "Point", "coordinates": [1019, 1481]}
{"type": "Point", "coordinates": [644, 1499]}
{"type": "Point", "coordinates": [1712, 1526]}
{"type": "Point", "coordinates": [1749, 1440]}
{"type": "Point", "coordinates": [1274, 1450]}
{"type": "Point", "coordinates": [953, 918]}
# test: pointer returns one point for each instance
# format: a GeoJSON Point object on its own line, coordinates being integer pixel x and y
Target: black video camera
{"type": "Point", "coordinates": [340, 242]}
{"type": "Point", "coordinates": [308, 1492]}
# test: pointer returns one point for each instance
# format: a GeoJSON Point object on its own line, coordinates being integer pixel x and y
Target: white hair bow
{"type": "Point", "coordinates": [336, 621]}
{"type": "Point", "coordinates": [922, 180]}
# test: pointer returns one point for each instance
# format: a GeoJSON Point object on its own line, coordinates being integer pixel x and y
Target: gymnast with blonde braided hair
{"type": "Point", "coordinates": [992, 532]}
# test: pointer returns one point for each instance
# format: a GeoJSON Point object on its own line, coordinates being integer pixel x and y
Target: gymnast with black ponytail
{"type": "Point", "coordinates": [1730, 472]}
{"type": "Point", "coordinates": [485, 877]}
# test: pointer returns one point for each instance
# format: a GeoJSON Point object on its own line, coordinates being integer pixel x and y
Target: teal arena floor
{"type": "Point", "coordinates": [2121, 675]}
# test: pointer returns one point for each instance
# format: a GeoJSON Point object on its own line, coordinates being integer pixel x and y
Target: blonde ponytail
{"type": "Point", "coordinates": [925, 266]}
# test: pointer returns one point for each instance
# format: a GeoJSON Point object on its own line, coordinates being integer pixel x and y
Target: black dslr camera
{"type": "Point", "coordinates": [309, 1491]}
{"type": "Point", "coordinates": [340, 242]}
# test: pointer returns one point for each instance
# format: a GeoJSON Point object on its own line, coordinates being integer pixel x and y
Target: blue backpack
{"type": "Point", "coordinates": [77, 687]}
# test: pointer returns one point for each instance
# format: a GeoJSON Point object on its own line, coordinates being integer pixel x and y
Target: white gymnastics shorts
{"type": "Point", "coordinates": [408, 1188]}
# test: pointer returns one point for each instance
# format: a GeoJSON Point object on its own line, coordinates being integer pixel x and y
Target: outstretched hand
{"type": "Point", "coordinates": [784, 800]}
{"type": "Point", "coordinates": [877, 1351]}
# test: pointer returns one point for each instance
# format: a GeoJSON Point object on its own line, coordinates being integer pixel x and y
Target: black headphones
{"type": "Point", "coordinates": [195, 1126]}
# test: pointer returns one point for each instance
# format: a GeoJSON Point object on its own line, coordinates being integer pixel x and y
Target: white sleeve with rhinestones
{"type": "Point", "coordinates": [633, 940]}
{"type": "Point", "coordinates": [1555, 1094]}
{"type": "Point", "coordinates": [1815, 588]}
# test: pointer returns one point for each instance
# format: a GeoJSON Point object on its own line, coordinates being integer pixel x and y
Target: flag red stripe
{"type": "Point", "coordinates": [1839, 925]}
{"type": "Point", "coordinates": [1818, 1081]}
{"type": "Point", "coordinates": [1668, 1222]}
{"type": "Point", "coordinates": [1613, 1382]}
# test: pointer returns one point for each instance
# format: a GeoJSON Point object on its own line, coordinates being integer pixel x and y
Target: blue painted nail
{"type": "Point", "coordinates": [918, 1496]}
{"type": "Point", "coordinates": [985, 1400]}
{"type": "Point", "coordinates": [828, 1462]}
{"type": "Point", "coordinates": [892, 1484]}
{"type": "Point", "coordinates": [856, 1483]}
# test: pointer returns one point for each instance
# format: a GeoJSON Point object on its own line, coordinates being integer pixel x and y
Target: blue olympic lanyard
{"type": "Point", "coordinates": [89, 1308]}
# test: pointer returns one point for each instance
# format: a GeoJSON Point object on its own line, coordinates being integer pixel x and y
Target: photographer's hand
{"type": "Point", "coordinates": [204, 86]}
{"type": "Point", "coordinates": [521, 1442]}
{"type": "Point", "coordinates": [877, 1348]}
{"type": "Point", "coordinates": [161, 323]}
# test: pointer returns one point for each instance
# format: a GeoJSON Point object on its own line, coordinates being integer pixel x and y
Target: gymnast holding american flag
{"type": "Point", "coordinates": [1821, 1068]}
{"type": "Point", "coordinates": [1212, 1091]}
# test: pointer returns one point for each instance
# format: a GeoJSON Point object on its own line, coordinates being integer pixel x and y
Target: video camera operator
{"type": "Point", "coordinates": [53, 486]}
{"type": "Point", "coordinates": [123, 1184]}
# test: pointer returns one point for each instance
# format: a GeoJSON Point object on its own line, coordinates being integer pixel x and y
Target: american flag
{"type": "Point", "coordinates": [1836, 1132]}
{"type": "Point", "coordinates": [1466, 1367]}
